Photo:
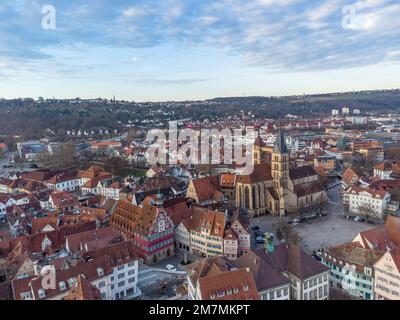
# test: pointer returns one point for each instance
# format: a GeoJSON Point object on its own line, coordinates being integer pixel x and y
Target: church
{"type": "Point", "coordinates": [274, 187]}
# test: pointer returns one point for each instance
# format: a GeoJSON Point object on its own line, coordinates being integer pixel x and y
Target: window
{"type": "Point", "coordinates": [272, 295]}
{"type": "Point", "coordinates": [285, 291]}
{"type": "Point", "coordinates": [41, 293]}
{"type": "Point", "coordinates": [121, 284]}
{"type": "Point", "coordinates": [100, 271]}
{"type": "Point", "coordinates": [101, 284]}
{"type": "Point", "coordinates": [132, 280]}
{"type": "Point", "coordinates": [121, 275]}
{"type": "Point", "coordinates": [62, 286]}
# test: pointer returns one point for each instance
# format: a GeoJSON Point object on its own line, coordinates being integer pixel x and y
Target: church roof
{"type": "Point", "coordinates": [280, 143]}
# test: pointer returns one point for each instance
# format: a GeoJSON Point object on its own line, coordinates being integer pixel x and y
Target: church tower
{"type": "Point", "coordinates": [280, 170]}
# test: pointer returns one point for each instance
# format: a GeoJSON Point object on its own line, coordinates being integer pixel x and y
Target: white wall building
{"type": "Point", "coordinates": [362, 200]}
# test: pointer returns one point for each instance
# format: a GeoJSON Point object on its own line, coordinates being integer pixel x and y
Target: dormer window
{"type": "Point", "coordinates": [71, 282]}
{"type": "Point", "coordinates": [42, 293]}
{"type": "Point", "coordinates": [235, 290]}
{"type": "Point", "coordinates": [100, 271]}
{"type": "Point", "coordinates": [245, 288]}
{"type": "Point", "coordinates": [62, 286]}
{"type": "Point", "coordinates": [220, 294]}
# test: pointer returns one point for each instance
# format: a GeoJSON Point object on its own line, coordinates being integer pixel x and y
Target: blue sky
{"type": "Point", "coordinates": [195, 49]}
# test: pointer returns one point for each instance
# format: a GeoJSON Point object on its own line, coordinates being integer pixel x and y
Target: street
{"type": "Point", "coordinates": [157, 284]}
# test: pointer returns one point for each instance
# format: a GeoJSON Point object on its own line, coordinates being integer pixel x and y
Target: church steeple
{"type": "Point", "coordinates": [280, 143]}
{"type": "Point", "coordinates": [280, 170]}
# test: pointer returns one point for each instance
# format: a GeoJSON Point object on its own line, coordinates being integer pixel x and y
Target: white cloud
{"type": "Point", "coordinates": [385, 19]}
{"type": "Point", "coordinates": [364, 4]}
{"type": "Point", "coordinates": [134, 12]}
{"type": "Point", "coordinates": [324, 11]}
{"type": "Point", "coordinates": [280, 3]}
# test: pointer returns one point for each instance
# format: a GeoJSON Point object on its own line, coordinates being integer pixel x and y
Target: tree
{"type": "Point", "coordinates": [64, 158]}
{"type": "Point", "coordinates": [367, 211]}
{"type": "Point", "coordinates": [285, 232]}
{"type": "Point", "coordinates": [117, 166]}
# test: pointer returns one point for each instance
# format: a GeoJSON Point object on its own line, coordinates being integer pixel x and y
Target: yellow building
{"type": "Point", "coordinates": [387, 276]}
{"type": "Point", "coordinates": [326, 162]}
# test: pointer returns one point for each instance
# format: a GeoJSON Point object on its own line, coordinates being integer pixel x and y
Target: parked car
{"type": "Point", "coordinates": [359, 219]}
{"type": "Point", "coordinates": [255, 228]}
{"type": "Point", "coordinates": [170, 267]}
{"type": "Point", "coordinates": [260, 240]}
{"type": "Point", "coordinates": [294, 222]}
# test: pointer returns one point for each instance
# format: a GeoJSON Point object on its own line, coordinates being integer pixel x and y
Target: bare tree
{"type": "Point", "coordinates": [285, 232]}
{"type": "Point", "coordinates": [367, 211]}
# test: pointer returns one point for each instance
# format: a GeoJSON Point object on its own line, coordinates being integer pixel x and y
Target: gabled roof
{"type": "Point", "coordinates": [230, 285]}
{"type": "Point", "coordinates": [261, 173]}
{"type": "Point", "coordinates": [384, 237]}
{"type": "Point", "coordinates": [128, 217]}
{"type": "Point", "coordinates": [83, 290]}
{"type": "Point", "coordinates": [93, 239]}
{"type": "Point", "coordinates": [350, 177]}
{"type": "Point", "coordinates": [202, 218]}
{"type": "Point", "coordinates": [228, 180]}
{"type": "Point", "coordinates": [308, 188]}
{"type": "Point", "coordinates": [218, 279]}
{"type": "Point", "coordinates": [354, 253]}
{"type": "Point", "coordinates": [302, 172]}
{"type": "Point", "coordinates": [39, 223]}
{"type": "Point", "coordinates": [207, 188]}
{"type": "Point", "coordinates": [264, 275]}
{"type": "Point", "coordinates": [177, 209]}
{"type": "Point", "coordinates": [291, 258]}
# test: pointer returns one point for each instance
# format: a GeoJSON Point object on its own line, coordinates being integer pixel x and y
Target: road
{"type": "Point", "coordinates": [156, 284]}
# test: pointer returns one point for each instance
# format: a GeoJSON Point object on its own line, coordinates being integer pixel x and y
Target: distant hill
{"type": "Point", "coordinates": [33, 118]}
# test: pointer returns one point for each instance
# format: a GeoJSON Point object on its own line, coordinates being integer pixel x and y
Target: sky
{"type": "Point", "coordinates": [147, 50]}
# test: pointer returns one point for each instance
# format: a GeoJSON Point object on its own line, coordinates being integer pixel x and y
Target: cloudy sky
{"type": "Point", "coordinates": [196, 49]}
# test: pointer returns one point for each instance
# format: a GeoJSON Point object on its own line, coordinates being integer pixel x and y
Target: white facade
{"type": "Point", "coordinates": [382, 174]}
{"type": "Point", "coordinates": [278, 293]}
{"type": "Point", "coordinates": [2, 211]}
{"type": "Point", "coordinates": [121, 283]}
{"type": "Point", "coordinates": [359, 200]}
{"type": "Point", "coordinates": [70, 185]}
{"type": "Point", "coordinates": [314, 288]}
